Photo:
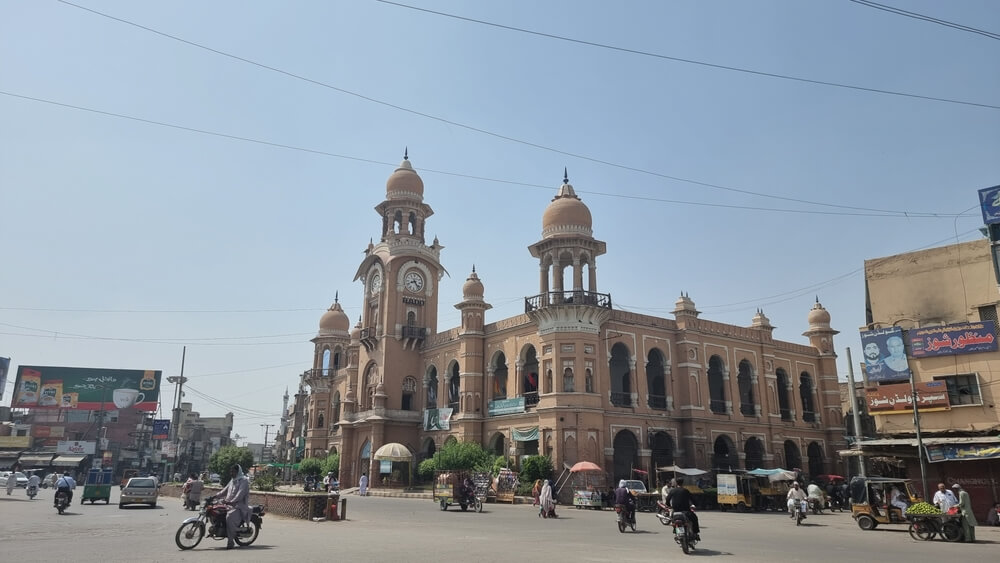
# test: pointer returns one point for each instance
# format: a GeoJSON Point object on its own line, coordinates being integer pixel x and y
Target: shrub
{"type": "Point", "coordinates": [265, 481]}
{"type": "Point", "coordinates": [311, 466]}
{"type": "Point", "coordinates": [460, 455]}
{"type": "Point", "coordinates": [331, 464]}
{"type": "Point", "coordinates": [426, 470]}
{"type": "Point", "coordinates": [535, 467]}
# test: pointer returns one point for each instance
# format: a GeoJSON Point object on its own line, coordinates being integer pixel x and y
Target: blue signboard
{"type": "Point", "coordinates": [161, 429]}
{"type": "Point", "coordinates": [885, 355]}
{"type": "Point", "coordinates": [961, 338]}
{"type": "Point", "coordinates": [506, 406]}
{"type": "Point", "coordinates": [945, 452]}
{"type": "Point", "coordinates": [989, 200]}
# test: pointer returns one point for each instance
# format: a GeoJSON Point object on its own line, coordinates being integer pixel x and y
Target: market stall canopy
{"type": "Point", "coordinates": [681, 470]}
{"type": "Point", "coordinates": [36, 459]}
{"type": "Point", "coordinates": [585, 466]}
{"type": "Point", "coordinates": [393, 452]}
{"type": "Point", "coordinates": [68, 460]}
{"type": "Point", "coordinates": [774, 474]}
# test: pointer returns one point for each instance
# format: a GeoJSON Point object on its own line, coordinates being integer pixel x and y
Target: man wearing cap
{"type": "Point", "coordinates": [968, 518]}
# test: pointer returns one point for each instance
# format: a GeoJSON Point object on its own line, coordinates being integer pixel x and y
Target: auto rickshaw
{"type": "Point", "coordinates": [98, 486]}
{"type": "Point", "coordinates": [737, 490]}
{"type": "Point", "coordinates": [881, 500]}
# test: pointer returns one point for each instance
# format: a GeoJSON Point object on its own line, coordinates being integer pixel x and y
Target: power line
{"type": "Point", "coordinates": [264, 368]}
{"type": "Point", "coordinates": [491, 133]}
{"type": "Point", "coordinates": [173, 341]}
{"type": "Point", "coordinates": [683, 60]}
{"type": "Point", "coordinates": [914, 15]}
{"type": "Point", "coordinates": [870, 212]}
{"type": "Point", "coordinates": [149, 311]}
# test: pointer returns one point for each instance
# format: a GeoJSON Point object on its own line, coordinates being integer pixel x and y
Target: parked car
{"type": "Point", "coordinates": [49, 480]}
{"type": "Point", "coordinates": [635, 486]}
{"type": "Point", "coordinates": [139, 490]}
{"type": "Point", "coordinates": [20, 479]}
{"type": "Point", "coordinates": [214, 478]}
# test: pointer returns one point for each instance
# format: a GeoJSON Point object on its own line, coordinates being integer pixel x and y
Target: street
{"type": "Point", "coordinates": [394, 529]}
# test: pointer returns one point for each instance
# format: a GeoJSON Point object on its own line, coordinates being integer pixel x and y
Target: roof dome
{"type": "Point", "coordinates": [818, 316]}
{"type": "Point", "coordinates": [355, 333]}
{"type": "Point", "coordinates": [473, 288]}
{"type": "Point", "coordinates": [566, 215]}
{"type": "Point", "coordinates": [334, 319]}
{"type": "Point", "coordinates": [404, 183]}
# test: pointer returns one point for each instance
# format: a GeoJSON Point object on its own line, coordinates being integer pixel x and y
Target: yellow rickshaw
{"type": "Point", "coordinates": [881, 500]}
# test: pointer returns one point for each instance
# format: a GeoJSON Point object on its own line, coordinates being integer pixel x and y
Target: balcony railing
{"type": "Point", "coordinates": [416, 332]}
{"type": "Point", "coordinates": [809, 416]}
{"type": "Point", "coordinates": [530, 399]}
{"type": "Point", "coordinates": [367, 333]}
{"type": "Point", "coordinates": [747, 409]}
{"type": "Point", "coordinates": [620, 399]}
{"type": "Point", "coordinates": [717, 406]}
{"type": "Point", "coordinates": [786, 414]}
{"type": "Point", "coordinates": [578, 297]}
{"type": "Point", "coordinates": [658, 402]}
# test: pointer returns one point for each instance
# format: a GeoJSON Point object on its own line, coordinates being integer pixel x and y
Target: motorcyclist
{"type": "Point", "coordinates": [235, 495]}
{"type": "Point", "coordinates": [469, 490]}
{"type": "Point", "coordinates": [64, 484]}
{"type": "Point", "coordinates": [33, 483]}
{"type": "Point", "coordinates": [795, 497]}
{"type": "Point", "coordinates": [815, 495]}
{"type": "Point", "coordinates": [625, 499]}
{"type": "Point", "coordinates": [680, 500]}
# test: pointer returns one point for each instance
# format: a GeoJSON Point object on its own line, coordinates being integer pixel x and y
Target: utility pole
{"type": "Point", "coordinates": [176, 416]}
{"type": "Point", "coordinates": [857, 415]}
{"type": "Point", "coordinates": [266, 428]}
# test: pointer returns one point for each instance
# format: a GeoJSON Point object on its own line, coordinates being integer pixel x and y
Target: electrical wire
{"type": "Point", "coordinates": [149, 311]}
{"type": "Point", "coordinates": [682, 60]}
{"type": "Point", "coordinates": [174, 341]}
{"type": "Point", "coordinates": [914, 15]}
{"type": "Point", "coordinates": [872, 212]}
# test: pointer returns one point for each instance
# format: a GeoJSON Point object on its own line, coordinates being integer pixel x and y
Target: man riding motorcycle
{"type": "Point", "coordinates": [235, 495]}
{"type": "Point", "coordinates": [680, 500]}
{"type": "Point", "coordinates": [64, 484]}
{"type": "Point", "coordinates": [795, 497]}
{"type": "Point", "coordinates": [625, 499]}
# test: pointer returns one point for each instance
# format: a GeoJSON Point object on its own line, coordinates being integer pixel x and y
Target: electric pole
{"type": "Point", "coordinates": [266, 428]}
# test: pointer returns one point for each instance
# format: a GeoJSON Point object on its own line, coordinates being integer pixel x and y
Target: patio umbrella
{"type": "Point", "coordinates": [584, 466]}
{"type": "Point", "coordinates": [393, 452]}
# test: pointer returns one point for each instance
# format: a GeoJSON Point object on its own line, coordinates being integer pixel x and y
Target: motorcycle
{"type": "Point", "coordinates": [816, 505]}
{"type": "Point", "coordinates": [798, 508]}
{"type": "Point", "coordinates": [211, 521]}
{"type": "Point", "coordinates": [683, 529]}
{"type": "Point", "coordinates": [31, 490]}
{"type": "Point", "coordinates": [626, 518]}
{"type": "Point", "coordinates": [62, 501]}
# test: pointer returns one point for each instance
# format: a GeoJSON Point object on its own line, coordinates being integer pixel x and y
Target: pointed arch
{"type": "Point", "coordinates": [783, 388]}
{"type": "Point", "coordinates": [626, 454]}
{"type": "Point", "coordinates": [431, 383]}
{"type": "Point", "coordinates": [806, 393]}
{"type": "Point", "coordinates": [620, 366]}
{"type": "Point", "coordinates": [656, 387]}
{"type": "Point", "coordinates": [717, 384]}
{"type": "Point", "coordinates": [724, 456]}
{"type": "Point", "coordinates": [454, 385]}
{"type": "Point", "coordinates": [500, 372]}
{"type": "Point", "coordinates": [744, 380]}
{"type": "Point", "coordinates": [793, 457]}
{"type": "Point", "coordinates": [753, 451]}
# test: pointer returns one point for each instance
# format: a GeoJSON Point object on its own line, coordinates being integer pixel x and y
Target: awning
{"type": "Point", "coordinates": [393, 452]}
{"type": "Point", "coordinates": [681, 470]}
{"type": "Point", "coordinates": [36, 459]}
{"type": "Point", "coordinates": [68, 460]}
{"type": "Point", "coordinates": [524, 434]}
{"type": "Point", "coordinates": [8, 459]}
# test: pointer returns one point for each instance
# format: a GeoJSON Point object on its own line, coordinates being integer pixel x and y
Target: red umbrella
{"type": "Point", "coordinates": [831, 477]}
{"type": "Point", "coordinates": [584, 466]}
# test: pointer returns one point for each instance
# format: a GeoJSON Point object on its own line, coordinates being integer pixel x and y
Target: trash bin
{"type": "Point", "coordinates": [331, 506]}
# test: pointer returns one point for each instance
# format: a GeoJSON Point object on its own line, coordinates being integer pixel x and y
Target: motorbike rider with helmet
{"type": "Point", "coordinates": [680, 500]}
{"type": "Point", "coordinates": [64, 484]}
{"type": "Point", "coordinates": [625, 499]}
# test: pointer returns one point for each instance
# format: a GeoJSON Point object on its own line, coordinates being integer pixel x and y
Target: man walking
{"type": "Point", "coordinates": [363, 485]}
{"type": "Point", "coordinates": [968, 517]}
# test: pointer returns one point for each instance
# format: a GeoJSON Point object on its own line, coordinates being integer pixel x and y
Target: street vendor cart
{"type": "Point", "coordinates": [588, 482]}
{"type": "Point", "coordinates": [97, 486]}
{"type": "Point", "coordinates": [450, 488]}
{"type": "Point", "coordinates": [928, 526]}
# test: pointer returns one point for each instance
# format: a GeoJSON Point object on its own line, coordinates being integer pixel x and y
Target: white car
{"type": "Point", "coordinates": [139, 490]}
{"type": "Point", "coordinates": [21, 480]}
{"type": "Point", "coordinates": [635, 486]}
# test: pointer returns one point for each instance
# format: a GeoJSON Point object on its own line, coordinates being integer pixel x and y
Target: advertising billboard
{"type": "Point", "coordinates": [50, 387]}
{"type": "Point", "coordinates": [946, 452]}
{"type": "Point", "coordinates": [161, 429]}
{"type": "Point", "coordinates": [989, 200]}
{"type": "Point", "coordinates": [885, 355]}
{"type": "Point", "coordinates": [69, 447]}
{"type": "Point", "coordinates": [959, 338]}
{"type": "Point", "coordinates": [897, 399]}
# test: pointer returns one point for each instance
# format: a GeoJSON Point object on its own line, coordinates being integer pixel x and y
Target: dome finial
{"type": "Point", "coordinates": [336, 297]}
{"type": "Point", "coordinates": [473, 268]}
{"type": "Point", "coordinates": [565, 175]}
{"type": "Point", "coordinates": [817, 298]}
{"type": "Point", "coordinates": [406, 153]}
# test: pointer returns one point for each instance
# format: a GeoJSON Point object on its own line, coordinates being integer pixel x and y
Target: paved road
{"type": "Point", "coordinates": [404, 530]}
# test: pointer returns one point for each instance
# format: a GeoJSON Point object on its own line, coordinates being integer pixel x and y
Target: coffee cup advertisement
{"type": "Point", "coordinates": [59, 387]}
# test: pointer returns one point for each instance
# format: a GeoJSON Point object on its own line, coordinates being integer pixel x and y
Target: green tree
{"type": "Point", "coordinates": [222, 461]}
{"type": "Point", "coordinates": [426, 469]}
{"type": "Point", "coordinates": [535, 467]}
{"type": "Point", "coordinates": [265, 481]}
{"type": "Point", "coordinates": [311, 466]}
{"type": "Point", "coordinates": [461, 455]}
{"type": "Point", "coordinates": [332, 465]}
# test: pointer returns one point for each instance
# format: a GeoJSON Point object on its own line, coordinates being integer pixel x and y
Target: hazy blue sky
{"type": "Point", "coordinates": [123, 240]}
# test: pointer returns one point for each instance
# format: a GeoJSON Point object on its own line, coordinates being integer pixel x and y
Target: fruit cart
{"type": "Point", "coordinates": [449, 489]}
{"type": "Point", "coordinates": [927, 522]}
{"type": "Point", "coordinates": [97, 486]}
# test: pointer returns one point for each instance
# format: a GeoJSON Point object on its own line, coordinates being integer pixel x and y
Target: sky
{"type": "Point", "coordinates": [204, 174]}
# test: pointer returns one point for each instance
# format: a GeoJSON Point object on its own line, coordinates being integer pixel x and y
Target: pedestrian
{"type": "Point", "coordinates": [536, 491]}
{"type": "Point", "coordinates": [993, 517]}
{"type": "Point", "coordinates": [195, 487]}
{"type": "Point", "coordinates": [11, 481]}
{"type": "Point", "coordinates": [968, 517]}
{"type": "Point", "coordinates": [944, 499]}
{"type": "Point", "coordinates": [363, 485]}
{"type": "Point", "coordinates": [545, 500]}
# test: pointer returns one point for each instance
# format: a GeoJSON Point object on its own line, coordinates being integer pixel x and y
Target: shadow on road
{"type": "Point", "coordinates": [708, 552]}
{"type": "Point", "coordinates": [137, 507]}
{"type": "Point", "coordinates": [254, 547]}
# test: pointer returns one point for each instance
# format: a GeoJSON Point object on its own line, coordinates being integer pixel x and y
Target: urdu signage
{"type": "Point", "coordinates": [78, 448]}
{"type": "Point", "coordinates": [898, 399]}
{"type": "Point", "coordinates": [961, 338]}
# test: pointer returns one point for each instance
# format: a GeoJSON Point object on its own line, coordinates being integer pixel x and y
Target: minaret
{"type": "Point", "coordinates": [472, 405]}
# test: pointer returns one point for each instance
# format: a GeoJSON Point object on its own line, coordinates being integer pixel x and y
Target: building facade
{"type": "Point", "coordinates": [572, 377]}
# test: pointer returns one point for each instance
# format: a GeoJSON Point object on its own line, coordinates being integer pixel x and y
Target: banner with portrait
{"type": "Point", "coordinates": [885, 355]}
{"type": "Point", "coordinates": [437, 419]}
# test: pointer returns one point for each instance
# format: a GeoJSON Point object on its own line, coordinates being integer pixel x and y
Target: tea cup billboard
{"type": "Point", "coordinates": [59, 387]}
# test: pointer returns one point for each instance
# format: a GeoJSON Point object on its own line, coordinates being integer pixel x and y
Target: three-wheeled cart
{"type": "Point", "coordinates": [98, 486]}
{"type": "Point", "coordinates": [449, 489]}
{"type": "Point", "coordinates": [928, 526]}
{"type": "Point", "coordinates": [588, 482]}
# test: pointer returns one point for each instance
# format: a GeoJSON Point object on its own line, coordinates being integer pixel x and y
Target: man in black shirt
{"type": "Point", "coordinates": [680, 500]}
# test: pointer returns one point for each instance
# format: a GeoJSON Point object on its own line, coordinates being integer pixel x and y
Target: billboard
{"type": "Point", "coordinates": [989, 201]}
{"type": "Point", "coordinates": [4, 366]}
{"type": "Point", "coordinates": [946, 452]}
{"type": "Point", "coordinates": [506, 406]}
{"type": "Point", "coordinates": [885, 354]}
{"type": "Point", "coordinates": [87, 448]}
{"type": "Point", "coordinates": [959, 338]}
{"type": "Point", "coordinates": [897, 399]}
{"type": "Point", "coordinates": [161, 429]}
{"type": "Point", "coordinates": [437, 419]}
{"type": "Point", "coordinates": [50, 387]}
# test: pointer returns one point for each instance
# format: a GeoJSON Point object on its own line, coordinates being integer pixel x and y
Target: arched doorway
{"type": "Point", "coordinates": [662, 451]}
{"type": "Point", "coordinates": [724, 456]}
{"type": "Point", "coordinates": [497, 445]}
{"type": "Point", "coordinates": [793, 457]}
{"type": "Point", "coordinates": [366, 457]}
{"type": "Point", "coordinates": [815, 452]}
{"type": "Point", "coordinates": [428, 449]}
{"type": "Point", "coordinates": [754, 452]}
{"type": "Point", "coordinates": [626, 455]}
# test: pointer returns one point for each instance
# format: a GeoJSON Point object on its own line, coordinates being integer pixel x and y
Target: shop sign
{"type": "Point", "coordinates": [946, 452]}
{"type": "Point", "coordinates": [506, 406]}
{"type": "Point", "coordinates": [15, 441]}
{"type": "Point", "coordinates": [885, 355]}
{"type": "Point", "coordinates": [78, 448]}
{"type": "Point", "coordinates": [726, 491]}
{"type": "Point", "coordinates": [161, 429]}
{"type": "Point", "coordinates": [898, 399]}
{"type": "Point", "coordinates": [960, 338]}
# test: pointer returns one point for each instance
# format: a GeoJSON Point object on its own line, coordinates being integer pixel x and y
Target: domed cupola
{"type": "Point", "coordinates": [566, 215]}
{"type": "Point", "coordinates": [334, 320]}
{"type": "Point", "coordinates": [473, 289]}
{"type": "Point", "coordinates": [820, 333]}
{"type": "Point", "coordinates": [404, 183]}
{"type": "Point", "coordinates": [819, 318]}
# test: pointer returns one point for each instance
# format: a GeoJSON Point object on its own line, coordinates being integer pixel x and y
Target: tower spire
{"type": "Point", "coordinates": [565, 175]}
{"type": "Point", "coordinates": [406, 153]}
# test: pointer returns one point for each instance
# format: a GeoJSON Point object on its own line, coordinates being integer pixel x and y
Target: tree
{"type": "Point", "coordinates": [426, 469]}
{"type": "Point", "coordinates": [461, 455]}
{"type": "Point", "coordinates": [222, 461]}
{"type": "Point", "coordinates": [535, 467]}
{"type": "Point", "coordinates": [331, 465]}
{"type": "Point", "coordinates": [311, 466]}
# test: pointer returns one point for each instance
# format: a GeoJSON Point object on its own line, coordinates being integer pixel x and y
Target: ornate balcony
{"type": "Point", "coordinates": [413, 336]}
{"type": "Point", "coordinates": [530, 399]}
{"type": "Point", "coordinates": [620, 399]}
{"type": "Point", "coordinates": [556, 298]}
{"type": "Point", "coordinates": [658, 402]}
{"type": "Point", "coordinates": [368, 338]}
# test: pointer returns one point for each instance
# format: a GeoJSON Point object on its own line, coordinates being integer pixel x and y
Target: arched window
{"type": "Point", "coordinates": [319, 421]}
{"type": "Point", "coordinates": [754, 452]}
{"type": "Point", "coordinates": [336, 408]}
{"type": "Point", "coordinates": [326, 362]}
{"type": "Point", "coordinates": [621, 377]}
{"type": "Point", "coordinates": [397, 222]}
{"type": "Point", "coordinates": [784, 404]}
{"type": "Point", "coordinates": [590, 381]}
{"type": "Point", "coordinates": [336, 358]}
{"type": "Point", "coordinates": [806, 391]}
{"type": "Point", "coordinates": [744, 380]}
{"type": "Point", "coordinates": [815, 452]}
{"type": "Point", "coordinates": [568, 386]}
{"type": "Point", "coordinates": [454, 386]}
{"type": "Point", "coordinates": [717, 385]}
{"type": "Point", "coordinates": [500, 376]}
{"type": "Point", "coordinates": [432, 387]}
{"type": "Point", "coordinates": [409, 388]}
{"type": "Point", "coordinates": [656, 388]}
{"type": "Point", "coordinates": [369, 386]}
{"type": "Point", "coordinates": [793, 459]}
{"type": "Point", "coordinates": [412, 223]}
{"type": "Point", "coordinates": [411, 319]}
{"type": "Point", "coordinates": [548, 382]}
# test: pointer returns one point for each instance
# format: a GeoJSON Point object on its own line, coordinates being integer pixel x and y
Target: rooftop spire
{"type": "Point", "coordinates": [406, 153]}
{"type": "Point", "coordinates": [565, 175]}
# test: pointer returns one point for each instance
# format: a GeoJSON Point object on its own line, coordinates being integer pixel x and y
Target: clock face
{"type": "Point", "coordinates": [376, 284]}
{"type": "Point", "coordinates": [413, 282]}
